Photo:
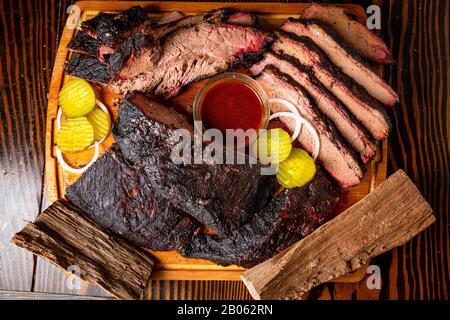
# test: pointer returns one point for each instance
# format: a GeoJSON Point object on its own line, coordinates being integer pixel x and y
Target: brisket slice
{"type": "Point", "coordinates": [118, 197]}
{"type": "Point", "coordinates": [334, 154]}
{"type": "Point", "coordinates": [340, 53]}
{"type": "Point", "coordinates": [191, 54]}
{"type": "Point", "coordinates": [221, 196]}
{"type": "Point", "coordinates": [110, 28]}
{"type": "Point", "coordinates": [89, 68]}
{"type": "Point", "coordinates": [347, 125]}
{"type": "Point", "coordinates": [86, 44]}
{"type": "Point", "coordinates": [364, 41]}
{"type": "Point", "coordinates": [364, 107]}
{"type": "Point", "coordinates": [290, 217]}
{"type": "Point", "coordinates": [138, 48]}
{"type": "Point", "coordinates": [169, 17]}
{"type": "Point", "coordinates": [223, 15]}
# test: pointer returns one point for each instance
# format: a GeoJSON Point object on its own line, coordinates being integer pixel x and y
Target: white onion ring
{"type": "Point", "coordinates": [68, 168]}
{"type": "Point", "coordinates": [94, 158]}
{"type": "Point", "coordinates": [298, 120]}
{"type": "Point", "coordinates": [293, 109]}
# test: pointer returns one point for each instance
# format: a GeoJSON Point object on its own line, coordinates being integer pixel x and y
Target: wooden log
{"type": "Point", "coordinates": [66, 238]}
{"type": "Point", "coordinates": [388, 217]}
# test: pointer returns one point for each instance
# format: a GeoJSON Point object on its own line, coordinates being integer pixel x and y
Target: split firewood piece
{"type": "Point", "coordinates": [388, 217]}
{"type": "Point", "coordinates": [64, 237]}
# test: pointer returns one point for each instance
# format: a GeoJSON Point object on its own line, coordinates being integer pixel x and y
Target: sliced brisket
{"type": "Point", "coordinates": [132, 56]}
{"type": "Point", "coordinates": [221, 196]}
{"type": "Point", "coordinates": [365, 42]}
{"type": "Point", "coordinates": [288, 218]}
{"type": "Point", "coordinates": [347, 125]}
{"type": "Point", "coordinates": [364, 107]}
{"type": "Point", "coordinates": [118, 197]}
{"type": "Point", "coordinates": [336, 157]}
{"type": "Point", "coordinates": [110, 28]}
{"type": "Point", "coordinates": [340, 53]}
{"type": "Point", "coordinates": [89, 68]}
{"type": "Point", "coordinates": [190, 54]}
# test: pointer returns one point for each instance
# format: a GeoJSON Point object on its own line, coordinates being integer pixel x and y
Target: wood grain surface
{"type": "Point", "coordinates": [418, 33]}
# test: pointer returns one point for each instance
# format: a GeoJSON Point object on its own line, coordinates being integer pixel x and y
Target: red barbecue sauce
{"type": "Point", "coordinates": [231, 104]}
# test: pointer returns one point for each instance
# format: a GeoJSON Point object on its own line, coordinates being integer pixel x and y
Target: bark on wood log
{"type": "Point", "coordinates": [66, 238]}
{"type": "Point", "coordinates": [388, 217]}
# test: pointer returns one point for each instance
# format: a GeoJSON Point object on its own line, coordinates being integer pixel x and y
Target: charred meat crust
{"type": "Point", "coordinates": [108, 27]}
{"type": "Point", "coordinates": [88, 68]}
{"type": "Point", "coordinates": [117, 196]}
{"type": "Point", "coordinates": [83, 42]}
{"type": "Point", "coordinates": [290, 217]}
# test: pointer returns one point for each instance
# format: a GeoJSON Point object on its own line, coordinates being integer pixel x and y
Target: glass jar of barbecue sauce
{"type": "Point", "coordinates": [231, 101]}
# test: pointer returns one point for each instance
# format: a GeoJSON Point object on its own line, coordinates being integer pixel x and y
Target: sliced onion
{"type": "Point", "coordinates": [299, 120]}
{"type": "Point", "coordinates": [94, 158]}
{"type": "Point", "coordinates": [293, 109]}
{"type": "Point", "coordinates": [69, 168]}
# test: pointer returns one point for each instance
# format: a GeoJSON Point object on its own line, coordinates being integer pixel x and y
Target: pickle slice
{"type": "Point", "coordinates": [75, 135]}
{"type": "Point", "coordinates": [297, 170]}
{"type": "Point", "coordinates": [273, 146]}
{"type": "Point", "coordinates": [101, 123]}
{"type": "Point", "coordinates": [76, 98]}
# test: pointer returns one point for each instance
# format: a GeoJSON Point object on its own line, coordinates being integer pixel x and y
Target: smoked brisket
{"type": "Point", "coordinates": [348, 126]}
{"type": "Point", "coordinates": [364, 107]}
{"type": "Point", "coordinates": [343, 56]}
{"type": "Point", "coordinates": [118, 196]}
{"type": "Point", "coordinates": [364, 41]}
{"type": "Point", "coordinates": [221, 196]}
{"type": "Point", "coordinates": [291, 216]}
{"type": "Point", "coordinates": [336, 156]}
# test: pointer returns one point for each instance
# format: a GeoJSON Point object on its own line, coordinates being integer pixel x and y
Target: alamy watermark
{"type": "Point", "coordinates": [214, 147]}
{"type": "Point", "coordinates": [373, 17]}
{"type": "Point", "coordinates": [374, 280]}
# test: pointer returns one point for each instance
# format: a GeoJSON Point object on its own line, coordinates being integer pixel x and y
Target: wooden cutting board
{"type": "Point", "coordinates": [170, 265]}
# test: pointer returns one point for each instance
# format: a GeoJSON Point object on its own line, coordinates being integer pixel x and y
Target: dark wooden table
{"type": "Point", "coordinates": [418, 33]}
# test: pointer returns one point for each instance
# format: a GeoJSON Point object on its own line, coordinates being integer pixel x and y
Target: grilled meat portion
{"type": "Point", "coordinates": [366, 43]}
{"type": "Point", "coordinates": [365, 108]}
{"type": "Point", "coordinates": [288, 218]}
{"type": "Point", "coordinates": [223, 15]}
{"type": "Point", "coordinates": [89, 68]}
{"type": "Point", "coordinates": [334, 154]}
{"type": "Point", "coordinates": [221, 196]}
{"type": "Point", "coordinates": [347, 125]}
{"type": "Point", "coordinates": [87, 44]}
{"type": "Point", "coordinates": [140, 62]}
{"type": "Point", "coordinates": [211, 49]}
{"type": "Point", "coordinates": [340, 53]}
{"type": "Point", "coordinates": [110, 28]}
{"type": "Point", "coordinates": [118, 196]}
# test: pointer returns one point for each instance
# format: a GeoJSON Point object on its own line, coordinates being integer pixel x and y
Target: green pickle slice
{"type": "Point", "coordinates": [297, 170]}
{"type": "Point", "coordinates": [75, 135]}
{"type": "Point", "coordinates": [101, 123]}
{"type": "Point", "coordinates": [76, 98]}
{"type": "Point", "coordinates": [273, 146]}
